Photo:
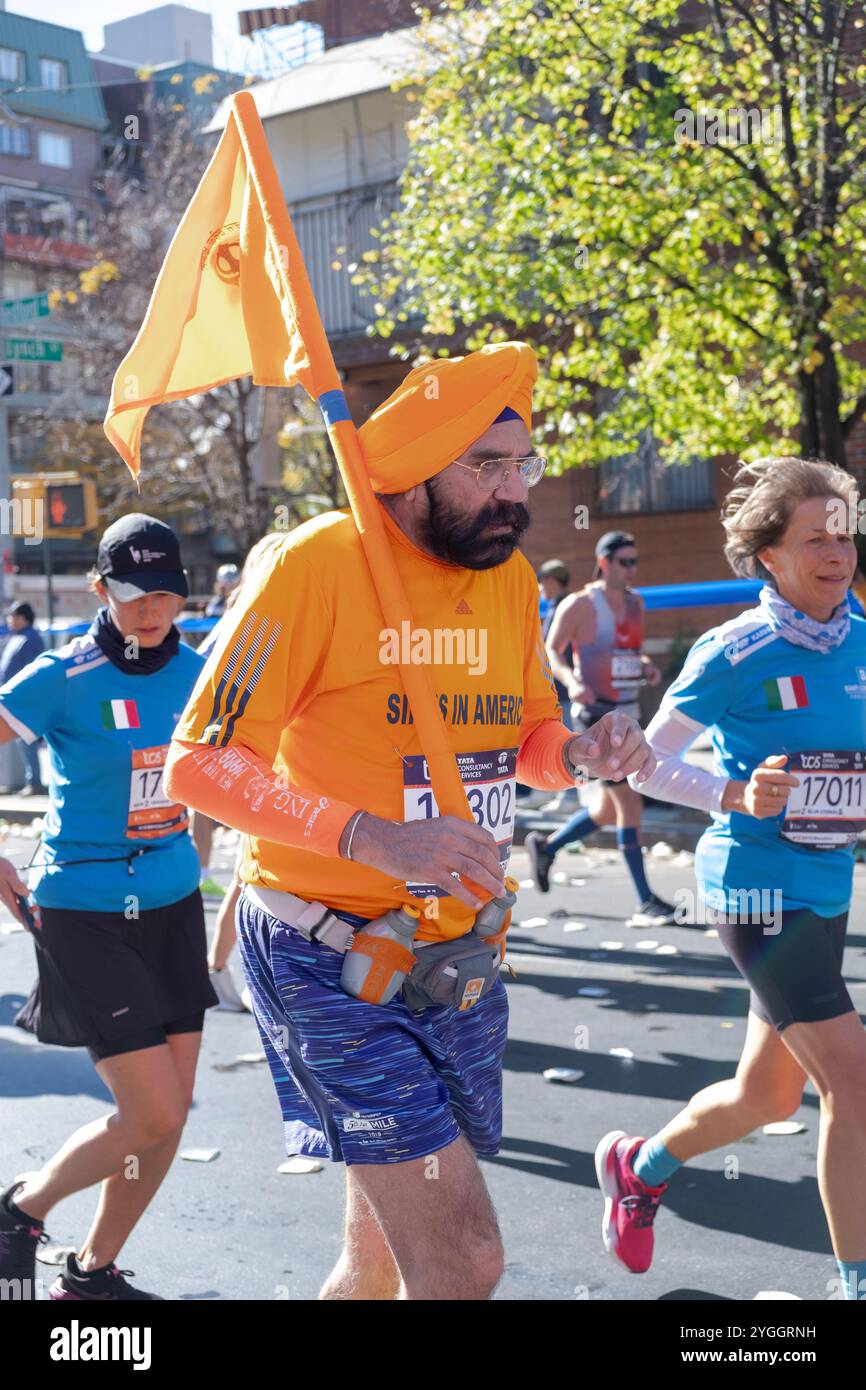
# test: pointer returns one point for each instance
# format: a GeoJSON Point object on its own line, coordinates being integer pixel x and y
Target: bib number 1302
{"type": "Point", "coordinates": [489, 779]}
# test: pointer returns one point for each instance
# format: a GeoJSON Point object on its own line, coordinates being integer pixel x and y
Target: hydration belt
{"type": "Point", "coordinates": [313, 921]}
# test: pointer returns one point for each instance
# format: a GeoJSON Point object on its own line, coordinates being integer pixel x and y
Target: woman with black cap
{"type": "Point", "coordinates": [117, 919]}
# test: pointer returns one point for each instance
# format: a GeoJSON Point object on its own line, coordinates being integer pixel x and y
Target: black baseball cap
{"type": "Point", "coordinates": [139, 555]}
{"type": "Point", "coordinates": [21, 610]}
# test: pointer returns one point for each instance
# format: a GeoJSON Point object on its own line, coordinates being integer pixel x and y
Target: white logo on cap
{"type": "Point", "coordinates": [146, 555]}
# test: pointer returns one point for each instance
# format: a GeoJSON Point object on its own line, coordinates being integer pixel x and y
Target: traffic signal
{"type": "Point", "coordinates": [58, 504]}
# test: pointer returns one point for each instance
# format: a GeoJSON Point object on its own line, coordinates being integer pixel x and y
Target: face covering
{"type": "Point", "coordinates": [113, 644]}
{"type": "Point", "coordinates": [799, 628]}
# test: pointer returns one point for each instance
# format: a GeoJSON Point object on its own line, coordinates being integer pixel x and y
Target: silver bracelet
{"type": "Point", "coordinates": [358, 815]}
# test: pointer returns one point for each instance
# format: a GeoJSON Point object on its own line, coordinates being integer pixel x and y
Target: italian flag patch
{"type": "Point", "coordinates": [789, 692]}
{"type": "Point", "coordinates": [119, 714]}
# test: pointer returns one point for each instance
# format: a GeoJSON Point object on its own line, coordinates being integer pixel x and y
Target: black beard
{"type": "Point", "coordinates": [450, 536]}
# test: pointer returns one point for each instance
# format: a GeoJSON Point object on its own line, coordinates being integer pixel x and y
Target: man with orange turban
{"type": "Point", "coordinates": [299, 734]}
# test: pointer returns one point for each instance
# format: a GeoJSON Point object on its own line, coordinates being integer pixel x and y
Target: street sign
{"type": "Point", "coordinates": [34, 306]}
{"type": "Point", "coordinates": [7, 379]}
{"type": "Point", "coordinates": [34, 350]}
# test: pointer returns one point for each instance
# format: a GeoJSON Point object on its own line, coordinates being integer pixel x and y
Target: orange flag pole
{"type": "Point", "coordinates": [447, 785]}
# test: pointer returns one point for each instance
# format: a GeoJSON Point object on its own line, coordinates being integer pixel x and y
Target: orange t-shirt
{"type": "Point", "coordinates": [305, 676]}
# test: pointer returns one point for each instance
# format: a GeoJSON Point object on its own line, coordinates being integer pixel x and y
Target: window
{"type": "Point", "coordinates": [53, 74]}
{"type": "Point", "coordinates": [11, 65]}
{"type": "Point", "coordinates": [55, 149]}
{"type": "Point", "coordinates": [15, 139]}
{"type": "Point", "coordinates": [640, 482]}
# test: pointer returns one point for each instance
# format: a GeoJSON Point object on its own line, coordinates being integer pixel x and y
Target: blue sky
{"type": "Point", "coordinates": [229, 49]}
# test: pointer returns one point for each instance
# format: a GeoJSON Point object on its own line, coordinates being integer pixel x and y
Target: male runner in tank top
{"type": "Point", "coordinates": [595, 647]}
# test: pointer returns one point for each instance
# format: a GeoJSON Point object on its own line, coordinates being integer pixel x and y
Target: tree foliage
{"type": "Point", "coordinates": [566, 183]}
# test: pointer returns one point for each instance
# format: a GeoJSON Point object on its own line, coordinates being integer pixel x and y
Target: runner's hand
{"type": "Point", "coordinates": [767, 791]}
{"type": "Point", "coordinates": [614, 748]}
{"type": "Point", "coordinates": [428, 851]}
{"type": "Point", "coordinates": [10, 884]}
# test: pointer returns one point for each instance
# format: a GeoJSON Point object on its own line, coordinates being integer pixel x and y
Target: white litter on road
{"type": "Point", "coordinates": [711, 931]}
{"type": "Point", "coordinates": [574, 926]}
{"type": "Point", "coordinates": [533, 922]}
{"type": "Point", "coordinates": [527, 883]}
{"type": "Point", "coordinates": [559, 877]}
{"type": "Point", "coordinates": [767, 1294]}
{"type": "Point", "coordinates": [667, 950]}
{"type": "Point", "coordinates": [661, 850]}
{"type": "Point", "coordinates": [251, 1057]}
{"type": "Point", "coordinates": [625, 1052]}
{"type": "Point", "coordinates": [593, 991]}
{"type": "Point", "coordinates": [54, 1254]}
{"type": "Point", "coordinates": [612, 945]}
{"type": "Point", "coordinates": [646, 945]}
{"type": "Point", "coordinates": [200, 1155]}
{"type": "Point", "coordinates": [683, 859]}
{"type": "Point", "coordinates": [565, 1075]}
{"type": "Point", "coordinates": [785, 1127]}
{"type": "Point", "coordinates": [299, 1163]}
{"type": "Point", "coordinates": [577, 882]}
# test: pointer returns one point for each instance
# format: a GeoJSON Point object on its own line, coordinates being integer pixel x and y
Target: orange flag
{"type": "Point", "coordinates": [233, 299]}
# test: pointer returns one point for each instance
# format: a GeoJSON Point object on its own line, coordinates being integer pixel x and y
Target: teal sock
{"type": "Point", "coordinates": [654, 1164]}
{"type": "Point", "coordinates": [854, 1275]}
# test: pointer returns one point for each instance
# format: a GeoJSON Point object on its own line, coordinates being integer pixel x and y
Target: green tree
{"type": "Point", "coordinates": [667, 199]}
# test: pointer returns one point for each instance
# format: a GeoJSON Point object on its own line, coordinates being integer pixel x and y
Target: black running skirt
{"type": "Point", "coordinates": [103, 977]}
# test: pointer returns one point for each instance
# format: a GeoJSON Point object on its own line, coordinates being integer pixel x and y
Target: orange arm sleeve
{"type": "Point", "coordinates": [236, 786]}
{"type": "Point", "coordinates": [540, 760]}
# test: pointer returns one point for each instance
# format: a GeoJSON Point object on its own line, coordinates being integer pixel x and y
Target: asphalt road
{"type": "Point", "coordinates": [734, 1223]}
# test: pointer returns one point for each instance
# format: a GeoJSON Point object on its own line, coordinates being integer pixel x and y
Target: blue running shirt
{"type": "Point", "coordinates": [759, 694]}
{"type": "Point", "coordinates": [108, 736]}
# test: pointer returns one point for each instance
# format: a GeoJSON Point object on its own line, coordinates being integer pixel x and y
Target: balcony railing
{"type": "Point", "coordinates": [336, 230]}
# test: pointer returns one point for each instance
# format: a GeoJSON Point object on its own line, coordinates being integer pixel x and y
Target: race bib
{"type": "Point", "coordinates": [151, 814]}
{"type": "Point", "coordinates": [626, 668]}
{"type": "Point", "coordinates": [490, 782]}
{"type": "Point", "coordinates": [828, 809]}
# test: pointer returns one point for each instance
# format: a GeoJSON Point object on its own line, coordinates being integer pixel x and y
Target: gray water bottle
{"type": "Point", "coordinates": [492, 915]}
{"type": "Point", "coordinates": [381, 956]}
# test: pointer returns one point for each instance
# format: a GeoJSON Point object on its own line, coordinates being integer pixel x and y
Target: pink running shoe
{"type": "Point", "coordinates": [630, 1206]}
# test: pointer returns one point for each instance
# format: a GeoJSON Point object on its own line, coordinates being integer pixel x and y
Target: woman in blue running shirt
{"type": "Point", "coordinates": [782, 691]}
{"type": "Point", "coordinates": [117, 919]}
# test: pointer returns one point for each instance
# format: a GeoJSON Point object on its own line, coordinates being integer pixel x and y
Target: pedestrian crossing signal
{"type": "Point", "coordinates": [65, 506]}
{"type": "Point", "coordinates": [53, 505]}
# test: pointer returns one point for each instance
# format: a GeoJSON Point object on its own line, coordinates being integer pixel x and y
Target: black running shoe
{"type": "Point", "coordinates": [20, 1235]}
{"type": "Point", "coordinates": [540, 861]}
{"type": "Point", "coordinates": [655, 912]}
{"type": "Point", "coordinates": [96, 1285]}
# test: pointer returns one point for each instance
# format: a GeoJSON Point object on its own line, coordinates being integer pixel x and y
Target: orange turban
{"type": "Point", "coordinates": [441, 408]}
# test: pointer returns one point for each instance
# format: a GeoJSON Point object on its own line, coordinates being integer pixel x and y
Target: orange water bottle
{"type": "Point", "coordinates": [381, 956]}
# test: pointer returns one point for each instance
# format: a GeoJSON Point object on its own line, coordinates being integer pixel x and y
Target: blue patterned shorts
{"type": "Point", "coordinates": [364, 1083]}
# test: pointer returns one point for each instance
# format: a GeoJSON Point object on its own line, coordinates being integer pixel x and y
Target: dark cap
{"type": "Point", "coordinates": [554, 569]}
{"type": "Point", "coordinates": [139, 555]}
{"type": "Point", "coordinates": [21, 610]}
{"type": "Point", "coordinates": [611, 542]}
